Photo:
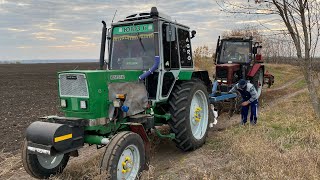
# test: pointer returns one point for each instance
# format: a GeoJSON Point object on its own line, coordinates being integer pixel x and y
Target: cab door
{"type": "Point", "coordinates": [170, 59]}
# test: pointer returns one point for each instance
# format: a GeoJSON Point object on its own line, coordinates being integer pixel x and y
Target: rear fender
{"type": "Point", "coordinates": [255, 68]}
{"type": "Point", "coordinates": [204, 76]}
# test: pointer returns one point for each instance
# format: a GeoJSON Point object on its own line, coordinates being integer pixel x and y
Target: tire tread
{"type": "Point", "coordinates": [179, 107]}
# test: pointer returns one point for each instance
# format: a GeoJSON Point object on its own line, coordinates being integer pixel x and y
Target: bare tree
{"type": "Point", "coordinates": [301, 19]}
{"type": "Point", "coordinates": [203, 59]}
{"type": "Point", "coordinates": [278, 48]}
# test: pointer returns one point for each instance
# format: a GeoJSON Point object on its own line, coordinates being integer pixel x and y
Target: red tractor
{"type": "Point", "coordinates": [240, 58]}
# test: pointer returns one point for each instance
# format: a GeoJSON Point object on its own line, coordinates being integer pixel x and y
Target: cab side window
{"type": "Point", "coordinates": [170, 47]}
{"type": "Point", "coordinates": [185, 48]}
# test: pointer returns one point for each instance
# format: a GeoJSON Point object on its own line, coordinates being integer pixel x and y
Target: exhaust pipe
{"type": "Point", "coordinates": [103, 44]}
{"type": "Point", "coordinates": [217, 49]}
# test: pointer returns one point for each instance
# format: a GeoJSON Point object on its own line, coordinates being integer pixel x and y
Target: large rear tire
{"type": "Point", "coordinates": [257, 81]}
{"type": "Point", "coordinates": [124, 157]}
{"type": "Point", "coordinates": [42, 166]}
{"type": "Point", "coordinates": [189, 110]}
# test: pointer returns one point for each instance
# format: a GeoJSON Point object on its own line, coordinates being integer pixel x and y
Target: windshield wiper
{"type": "Point", "coordinates": [141, 42]}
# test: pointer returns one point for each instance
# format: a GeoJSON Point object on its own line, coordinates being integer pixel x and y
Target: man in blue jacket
{"type": "Point", "coordinates": [249, 99]}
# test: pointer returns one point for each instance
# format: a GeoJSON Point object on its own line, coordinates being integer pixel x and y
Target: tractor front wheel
{"type": "Point", "coordinates": [42, 166]}
{"type": "Point", "coordinates": [189, 109]}
{"type": "Point", "coordinates": [124, 157]}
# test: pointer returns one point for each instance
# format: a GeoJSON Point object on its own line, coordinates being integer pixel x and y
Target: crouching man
{"type": "Point", "coordinates": [249, 99]}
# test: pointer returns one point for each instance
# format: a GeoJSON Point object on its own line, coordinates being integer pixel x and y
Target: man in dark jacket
{"type": "Point", "coordinates": [249, 99]}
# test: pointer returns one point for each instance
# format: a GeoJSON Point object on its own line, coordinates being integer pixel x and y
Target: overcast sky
{"type": "Point", "coordinates": [71, 29]}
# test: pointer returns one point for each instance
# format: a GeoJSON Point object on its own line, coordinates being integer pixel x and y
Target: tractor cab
{"type": "Point", "coordinates": [151, 42]}
{"type": "Point", "coordinates": [235, 59]}
{"type": "Point", "coordinates": [235, 51]}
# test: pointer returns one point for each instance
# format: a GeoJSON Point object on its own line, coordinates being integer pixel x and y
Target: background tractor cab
{"type": "Point", "coordinates": [238, 58]}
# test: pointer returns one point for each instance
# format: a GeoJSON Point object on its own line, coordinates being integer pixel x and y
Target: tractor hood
{"type": "Point", "coordinates": [85, 93]}
{"type": "Point", "coordinates": [111, 75]}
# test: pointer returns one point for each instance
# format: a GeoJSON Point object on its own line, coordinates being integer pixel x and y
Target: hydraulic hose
{"type": "Point", "coordinates": [152, 69]}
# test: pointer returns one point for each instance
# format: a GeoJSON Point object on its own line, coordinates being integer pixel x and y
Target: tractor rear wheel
{"type": "Point", "coordinates": [189, 109]}
{"type": "Point", "coordinates": [257, 81]}
{"type": "Point", "coordinates": [124, 157]}
{"type": "Point", "coordinates": [42, 166]}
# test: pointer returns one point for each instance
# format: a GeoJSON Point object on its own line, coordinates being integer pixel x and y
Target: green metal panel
{"type": "Point", "coordinates": [75, 104]}
{"type": "Point", "coordinates": [185, 75]}
{"type": "Point", "coordinates": [98, 102]}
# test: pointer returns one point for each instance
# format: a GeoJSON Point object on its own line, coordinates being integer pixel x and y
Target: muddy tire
{"type": "Point", "coordinates": [189, 109]}
{"type": "Point", "coordinates": [257, 81]}
{"type": "Point", "coordinates": [41, 166]}
{"type": "Point", "coordinates": [124, 157]}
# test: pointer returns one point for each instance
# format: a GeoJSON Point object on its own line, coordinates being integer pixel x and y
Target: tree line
{"type": "Point", "coordinates": [299, 39]}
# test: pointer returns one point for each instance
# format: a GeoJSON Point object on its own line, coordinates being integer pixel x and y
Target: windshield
{"type": "Point", "coordinates": [234, 52]}
{"type": "Point", "coordinates": [132, 47]}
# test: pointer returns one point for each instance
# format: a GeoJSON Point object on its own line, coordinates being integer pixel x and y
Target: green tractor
{"type": "Point", "coordinates": [149, 81]}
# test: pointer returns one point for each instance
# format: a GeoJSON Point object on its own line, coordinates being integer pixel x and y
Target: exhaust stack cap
{"type": "Point", "coordinates": [154, 12]}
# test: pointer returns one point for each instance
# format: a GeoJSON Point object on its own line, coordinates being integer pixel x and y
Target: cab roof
{"type": "Point", "coordinates": [145, 17]}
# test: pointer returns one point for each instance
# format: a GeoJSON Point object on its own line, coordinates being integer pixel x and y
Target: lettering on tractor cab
{"type": "Point", "coordinates": [188, 47]}
{"type": "Point", "coordinates": [115, 77]}
{"type": "Point", "coordinates": [142, 28]}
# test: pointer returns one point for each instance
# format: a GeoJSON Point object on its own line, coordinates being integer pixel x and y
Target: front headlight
{"type": "Point", "coordinates": [83, 104]}
{"type": "Point", "coordinates": [63, 103]}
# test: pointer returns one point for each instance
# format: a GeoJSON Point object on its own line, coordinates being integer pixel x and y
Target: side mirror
{"type": "Point", "coordinates": [193, 33]}
{"type": "Point", "coordinates": [254, 50]}
{"type": "Point", "coordinates": [170, 33]}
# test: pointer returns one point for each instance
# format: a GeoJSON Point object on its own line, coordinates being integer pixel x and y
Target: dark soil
{"type": "Point", "coordinates": [27, 92]}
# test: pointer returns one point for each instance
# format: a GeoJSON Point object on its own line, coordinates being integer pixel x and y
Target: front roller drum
{"type": "Point", "coordinates": [124, 157]}
{"type": "Point", "coordinates": [42, 166]}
